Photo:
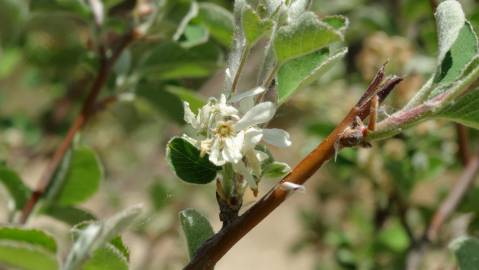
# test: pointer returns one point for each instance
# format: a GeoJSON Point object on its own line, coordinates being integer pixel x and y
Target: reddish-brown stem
{"type": "Point", "coordinates": [463, 143]}
{"type": "Point", "coordinates": [106, 63]}
{"type": "Point", "coordinates": [216, 247]}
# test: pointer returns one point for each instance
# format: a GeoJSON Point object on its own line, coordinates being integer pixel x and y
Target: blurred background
{"type": "Point", "coordinates": [355, 210]}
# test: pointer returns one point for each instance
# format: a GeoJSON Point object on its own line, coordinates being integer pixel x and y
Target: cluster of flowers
{"type": "Point", "coordinates": [229, 129]}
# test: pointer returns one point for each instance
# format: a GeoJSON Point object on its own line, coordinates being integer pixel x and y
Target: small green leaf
{"type": "Point", "coordinates": [190, 14]}
{"type": "Point", "coordinates": [107, 257]}
{"type": "Point", "coordinates": [29, 236]}
{"type": "Point", "coordinates": [195, 100]}
{"type": "Point", "coordinates": [82, 178]}
{"type": "Point", "coordinates": [26, 257]}
{"type": "Point", "coordinates": [304, 36]}
{"type": "Point", "coordinates": [169, 60]}
{"type": "Point", "coordinates": [253, 26]}
{"type": "Point", "coordinates": [196, 228]}
{"type": "Point", "coordinates": [194, 35]}
{"type": "Point", "coordinates": [466, 250]}
{"type": "Point", "coordinates": [68, 214]}
{"type": "Point", "coordinates": [464, 110]}
{"type": "Point", "coordinates": [92, 237]}
{"type": "Point", "coordinates": [27, 249]}
{"type": "Point", "coordinates": [219, 22]}
{"type": "Point", "coordinates": [276, 169]}
{"type": "Point", "coordinates": [15, 186]}
{"type": "Point", "coordinates": [300, 71]}
{"type": "Point", "coordinates": [163, 101]}
{"type": "Point", "coordinates": [338, 22]}
{"type": "Point", "coordinates": [187, 163]}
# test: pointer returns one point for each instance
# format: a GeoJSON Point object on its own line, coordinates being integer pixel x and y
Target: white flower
{"type": "Point", "coordinates": [230, 135]}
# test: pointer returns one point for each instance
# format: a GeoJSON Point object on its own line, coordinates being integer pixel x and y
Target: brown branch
{"type": "Point", "coordinates": [216, 247]}
{"type": "Point", "coordinates": [445, 210]}
{"type": "Point", "coordinates": [106, 63]}
{"type": "Point", "coordinates": [463, 143]}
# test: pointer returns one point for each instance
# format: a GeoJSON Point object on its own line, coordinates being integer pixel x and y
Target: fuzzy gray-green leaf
{"type": "Point", "coordinates": [464, 110]}
{"type": "Point", "coordinates": [196, 228]}
{"type": "Point", "coordinates": [466, 250]}
{"type": "Point", "coordinates": [298, 72]}
{"type": "Point", "coordinates": [304, 36]}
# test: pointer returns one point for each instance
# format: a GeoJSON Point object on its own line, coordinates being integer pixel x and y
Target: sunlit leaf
{"type": "Point", "coordinates": [304, 36]}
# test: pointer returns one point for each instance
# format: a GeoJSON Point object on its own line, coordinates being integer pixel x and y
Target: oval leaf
{"type": "Point", "coordinates": [31, 237]}
{"type": "Point", "coordinates": [300, 71]}
{"type": "Point", "coordinates": [253, 26]}
{"type": "Point", "coordinates": [219, 22]}
{"type": "Point", "coordinates": [196, 228]}
{"type": "Point", "coordinates": [15, 187]}
{"type": "Point", "coordinates": [82, 178]}
{"type": "Point", "coordinates": [304, 36]}
{"type": "Point", "coordinates": [187, 163]}
{"type": "Point", "coordinates": [466, 250]}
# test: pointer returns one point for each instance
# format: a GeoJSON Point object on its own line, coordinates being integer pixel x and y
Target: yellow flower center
{"type": "Point", "coordinates": [225, 128]}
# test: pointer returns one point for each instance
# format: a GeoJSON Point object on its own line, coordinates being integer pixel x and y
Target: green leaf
{"type": "Point", "coordinates": [27, 249]}
{"type": "Point", "coordinates": [13, 15]}
{"type": "Point", "coordinates": [31, 237]}
{"type": "Point", "coordinates": [25, 257]}
{"type": "Point", "coordinates": [464, 110]}
{"type": "Point", "coordinates": [300, 71]}
{"type": "Point", "coordinates": [15, 187]}
{"type": "Point", "coordinates": [196, 228]}
{"type": "Point", "coordinates": [68, 214]}
{"type": "Point", "coordinates": [107, 257]}
{"type": "Point", "coordinates": [194, 35]}
{"type": "Point", "coordinates": [82, 178]}
{"type": "Point", "coordinates": [276, 169]}
{"type": "Point", "coordinates": [188, 165]}
{"type": "Point", "coordinates": [466, 250]}
{"type": "Point", "coordinates": [338, 22]}
{"type": "Point", "coordinates": [169, 60]}
{"type": "Point", "coordinates": [195, 100]}
{"type": "Point", "coordinates": [304, 36]}
{"type": "Point", "coordinates": [92, 237]}
{"type": "Point", "coordinates": [190, 14]}
{"type": "Point", "coordinates": [458, 56]}
{"type": "Point", "coordinates": [450, 19]}
{"type": "Point", "coordinates": [162, 100]}
{"type": "Point", "coordinates": [218, 21]}
{"type": "Point", "coordinates": [253, 26]}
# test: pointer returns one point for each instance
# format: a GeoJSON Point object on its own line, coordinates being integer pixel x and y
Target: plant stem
{"type": "Point", "coordinates": [463, 143]}
{"type": "Point", "coordinates": [216, 247]}
{"type": "Point", "coordinates": [87, 109]}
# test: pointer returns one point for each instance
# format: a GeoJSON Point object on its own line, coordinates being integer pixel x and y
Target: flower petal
{"type": "Point", "coordinates": [215, 156]}
{"type": "Point", "coordinates": [232, 150]}
{"type": "Point", "coordinates": [189, 116]}
{"type": "Point", "coordinates": [250, 93]}
{"type": "Point", "coordinates": [261, 113]}
{"type": "Point", "coordinates": [252, 136]}
{"type": "Point", "coordinates": [253, 162]}
{"type": "Point", "coordinates": [276, 137]}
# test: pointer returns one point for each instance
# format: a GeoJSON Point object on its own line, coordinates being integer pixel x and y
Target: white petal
{"type": "Point", "coordinates": [215, 156]}
{"type": "Point", "coordinates": [246, 104]}
{"type": "Point", "coordinates": [276, 137]}
{"type": "Point", "coordinates": [189, 116]}
{"type": "Point", "coordinates": [241, 169]}
{"type": "Point", "coordinates": [289, 186]}
{"type": "Point", "coordinates": [261, 155]}
{"type": "Point", "coordinates": [231, 151]}
{"type": "Point", "coordinates": [252, 137]}
{"type": "Point", "coordinates": [261, 113]}
{"type": "Point", "coordinates": [250, 93]}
